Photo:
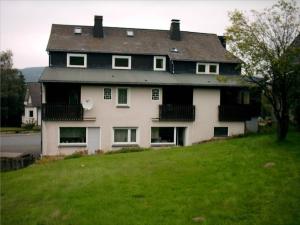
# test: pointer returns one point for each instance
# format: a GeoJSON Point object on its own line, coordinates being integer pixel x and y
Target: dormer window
{"type": "Point", "coordinates": [77, 30]}
{"type": "Point", "coordinates": [76, 60]}
{"type": "Point", "coordinates": [159, 63]}
{"type": "Point", "coordinates": [207, 68]}
{"type": "Point", "coordinates": [130, 33]}
{"type": "Point", "coordinates": [121, 62]}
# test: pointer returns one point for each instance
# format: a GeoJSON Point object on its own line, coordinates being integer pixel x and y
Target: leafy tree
{"type": "Point", "coordinates": [12, 91]}
{"type": "Point", "coordinates": [263, 41]}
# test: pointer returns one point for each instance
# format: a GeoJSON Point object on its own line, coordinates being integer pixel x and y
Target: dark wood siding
{"type": "Point", "coordinates": [96, 60]}
{"type": "Point", "coordinates": [58, 59]}
{"type": "Point", "coordinates": [140, 62]}
{"type": "Point", "coordinates": [229, 69]}
{"type": "Point", "coordinates": [184, 67]}
{"type": "Point", "coordinates": [190, 67]}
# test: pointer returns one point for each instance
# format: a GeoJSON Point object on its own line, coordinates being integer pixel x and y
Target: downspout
{"type": "Point", "coordinates": [173, 67]}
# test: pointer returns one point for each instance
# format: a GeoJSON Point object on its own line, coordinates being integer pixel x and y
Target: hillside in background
{"type": "Point", "coordinates": [32, 74]}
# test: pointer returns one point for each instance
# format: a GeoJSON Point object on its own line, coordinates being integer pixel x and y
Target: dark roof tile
{"type": "Point", "coordinates": [192, 47]}
{"type": "Point", "coordinates": [34, 90]}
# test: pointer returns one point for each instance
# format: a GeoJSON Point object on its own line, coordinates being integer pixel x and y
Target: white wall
{"type": "Point", "coordinates": [36, 118]}
{"type": "Point", "coordinates": [141, 114]}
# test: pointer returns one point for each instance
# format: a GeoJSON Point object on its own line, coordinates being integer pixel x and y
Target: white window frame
{"type": "Point", "coordinates": [128, 97]}
{"type": "Point", "coordinates": [158, 94]}
{"type": "Point", "coordinates": [164, 63]}
{"type": "Point", "coordinates": [217, 68]}
{"type": "Point", "coordinates": [128, 136]}
{"type": "Point", "coordinates": [114, 57]}
{"type": "Point", "coordinates": [110, 93]}
{"type": "Point", "coordinates": [163, 143]}
{"type": "Point", "coordinates": [73, 144]}
{"type": "Point", "coordinates": [76, 55]}
{"type": "Point", "coordinates": [207, 65]}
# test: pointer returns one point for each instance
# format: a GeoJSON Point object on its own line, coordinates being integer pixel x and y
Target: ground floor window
{"type": "Point", "coordinates": [163, 135]}
{"type": "Point", "coordinates": [125, 135]}
{"type": "Point", "coordinates": [72, 135]}
{"type": "Point", "coordinates": [221, 131]}
{"type": "Point", "coordinates": [30, 113]}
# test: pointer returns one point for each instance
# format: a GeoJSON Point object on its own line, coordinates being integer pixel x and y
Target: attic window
{"type": "Point", "coordinates": [175, 50]}
{"type": "Point", "coordinates": [207, 68]}
{"type": "Point", "coordinates": [77, 30]}
{"type": "Point", "coordinates": [76, 60]}
{"type": "Point", "coordinates": [130, 33]}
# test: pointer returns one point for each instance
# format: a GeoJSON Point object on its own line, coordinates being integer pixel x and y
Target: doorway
{"type": "Point", "coordinates": [180, 136]}
{"type": "Point", "coordinates": [93, 139]}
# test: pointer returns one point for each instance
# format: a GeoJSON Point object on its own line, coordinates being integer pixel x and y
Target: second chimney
{"type": "Point", "coordinates": [98, 27]}
{"type": "Point", "coordinates": [175, 30]}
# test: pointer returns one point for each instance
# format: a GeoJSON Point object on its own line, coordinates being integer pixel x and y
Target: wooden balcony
{"type": "Point", "coordinates": [238, 112]}
{"type": "Point", "coordinates": [177, 112]}
{"type": "Point", "coordinates": [62, 112]}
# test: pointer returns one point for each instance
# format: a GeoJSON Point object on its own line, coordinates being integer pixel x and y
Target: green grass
{"type": "Point", "coordinates": [11, 129]}
{"type": "Point", "coordinates": [224, 182]}
{"type": "Point", "coordinates": [15, 130]}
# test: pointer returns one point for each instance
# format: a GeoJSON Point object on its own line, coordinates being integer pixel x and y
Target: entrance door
{"type": "Point", "coordinates": [93, 139]}
{"type": "Point", "coordinates": [180, 136]}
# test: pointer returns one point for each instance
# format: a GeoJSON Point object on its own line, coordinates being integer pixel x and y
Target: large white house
{"type": "Point", "coordinates": [108, 88]}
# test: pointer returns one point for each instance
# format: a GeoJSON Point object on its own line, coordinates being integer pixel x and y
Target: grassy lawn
{"type": "Point", "coordinates": [245, 181]}
{"type": "Point", "coordinates": [14, 130]}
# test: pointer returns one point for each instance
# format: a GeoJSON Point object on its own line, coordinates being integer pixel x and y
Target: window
{"type": "Point", "coordinates": [130, 33]}
{"type": "Point", "coordinates": [212, 68]}
{"type": "Point", "coordinates": [72, 135]}
{"type": "Point", "coordinates": [107, 93]}
{"type": "Point", "coordinates": [163, 135]}
{"type": "Point", "coordinates": [159, 63]}
{"type": "Point", "coordinates": [201, 68]}
{"type": "Point", "coordinates": [76, 60]}
{"type": "Point", "coordinates": [122, 96]}
{"type": "Point", "coordinates": [125, 135]}
{"type": "Point", "coordinates": [155, 94]}
{"type": "Point", "coordinates": [207, 68]}
{"type": "Point", "coordinates": [221, 131]}
{"type": "Point", "coordinates": [30, 113]}
{"type": "Point", "coordinates": [121, 62]}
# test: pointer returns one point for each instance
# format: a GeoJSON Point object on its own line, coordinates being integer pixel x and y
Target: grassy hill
{"type": "Point", "coordinates": [32, 74]}
{"type": "Point", "coordinates": [242, 181]}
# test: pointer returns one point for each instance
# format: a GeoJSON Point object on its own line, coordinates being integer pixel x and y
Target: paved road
{"type": "Point", "coordinates": [27, 143]}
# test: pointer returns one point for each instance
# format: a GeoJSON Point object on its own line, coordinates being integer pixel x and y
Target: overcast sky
{"type": "Point", "coordinates": [25, 25]}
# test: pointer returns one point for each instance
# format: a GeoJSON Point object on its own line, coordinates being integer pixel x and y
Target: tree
{"type": "Point", "coordinates": [12, 91]}
{"type": "Point", "coordinates": [263, 42]}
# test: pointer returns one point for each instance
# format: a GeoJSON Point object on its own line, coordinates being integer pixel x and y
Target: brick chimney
{"type": "Point", "coordinates": [175, 30]}
{"type": "Point", "coordinates": [98, 27]}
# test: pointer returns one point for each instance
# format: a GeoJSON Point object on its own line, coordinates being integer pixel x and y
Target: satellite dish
{"type": "Point", "coordinates": [87, 104]}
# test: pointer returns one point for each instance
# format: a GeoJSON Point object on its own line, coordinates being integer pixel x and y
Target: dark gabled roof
{"type": "Point", "coordinates": [192, 47]}
{"type": "Point", "coordinates": [134, 77]}
{"type": "Point", "coordinates": [34, 91]}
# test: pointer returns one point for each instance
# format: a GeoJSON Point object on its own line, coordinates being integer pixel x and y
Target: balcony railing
{"type": "Point", "coordinates": [238, 112]}
{"type": "Point", "coordinates": [62, 112]}
{"type": "Point", "coordinates": [176, 112]}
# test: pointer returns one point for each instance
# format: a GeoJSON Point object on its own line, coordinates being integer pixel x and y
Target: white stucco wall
{"type": "Point", "coordinates": [36, 118]}
{"type": "Point", "coordinates": [141, 114]}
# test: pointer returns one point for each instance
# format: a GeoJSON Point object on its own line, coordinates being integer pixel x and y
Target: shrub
{"type": "Point", "coordinates": [29, 125]}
